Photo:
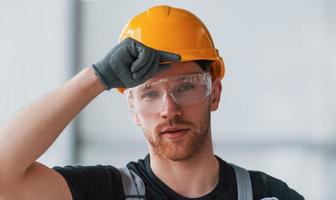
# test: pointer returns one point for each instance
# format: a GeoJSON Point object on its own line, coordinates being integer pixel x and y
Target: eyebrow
{"type": "Point", "coordinates": [145, 87]}
{"type": "Point", "coordinates": [180, 77]}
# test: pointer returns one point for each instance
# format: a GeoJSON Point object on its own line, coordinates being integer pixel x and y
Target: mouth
{"type": "Point", "coordinates": [173, 133]}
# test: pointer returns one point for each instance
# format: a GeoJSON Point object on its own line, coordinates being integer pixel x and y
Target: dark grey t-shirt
{"type": "Point", "coordinates": [104, 183]}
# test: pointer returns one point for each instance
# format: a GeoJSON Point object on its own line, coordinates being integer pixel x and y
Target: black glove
{"type": "Point", "coordinates": [131, 63]}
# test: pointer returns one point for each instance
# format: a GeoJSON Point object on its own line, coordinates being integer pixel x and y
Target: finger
{"type": "Point", "coordinates": [167, 57]}
{"type": "Point", "coordinates": [142, 59]}
{"type": "Point", "coordinates": [151, 63]}
{"type": "Point", "coordinates": [154, 68]}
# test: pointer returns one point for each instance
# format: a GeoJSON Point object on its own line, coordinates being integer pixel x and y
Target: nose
{"type": "Point", "coordinates": [170, 109]}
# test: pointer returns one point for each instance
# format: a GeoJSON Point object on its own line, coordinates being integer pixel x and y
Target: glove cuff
{"type": "Point", "coordinates": [111, 81]}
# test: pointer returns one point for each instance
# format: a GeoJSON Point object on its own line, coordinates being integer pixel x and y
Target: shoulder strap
{"type": "Point", "coordinates": [134, 187]}
{"type": "Point", "coordinates": [244, 184]}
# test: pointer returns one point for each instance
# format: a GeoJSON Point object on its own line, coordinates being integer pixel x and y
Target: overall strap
{"type": "Point", "coordinates": [134, 187]}
{"type": "Point", "coordinates": [244, 185]}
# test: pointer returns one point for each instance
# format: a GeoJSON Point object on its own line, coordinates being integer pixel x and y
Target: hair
{"type": "Point", "coordinates": [205, 65]}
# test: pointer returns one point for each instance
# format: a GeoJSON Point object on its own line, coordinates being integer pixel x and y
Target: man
{"type": "Point", "coordinates": [169, 69]}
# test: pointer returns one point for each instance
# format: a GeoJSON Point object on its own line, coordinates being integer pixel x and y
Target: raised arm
{"type": "Point", "coordinates": [32, 130]}
{"type": "Point", "coordinates": [27, 135]}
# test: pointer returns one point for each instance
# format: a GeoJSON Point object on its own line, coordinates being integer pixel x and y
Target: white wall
{"type": "Point", "coordinates": [34, 55]}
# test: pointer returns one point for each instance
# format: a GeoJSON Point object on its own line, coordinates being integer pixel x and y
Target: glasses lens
{"type": "Point", "coordinates": [149, 98]}
{"type": "Point", "coordinates": [145, 99]}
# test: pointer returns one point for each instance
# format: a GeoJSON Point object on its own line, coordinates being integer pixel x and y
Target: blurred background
{"type": "Point", "coordinates": [277, 112]}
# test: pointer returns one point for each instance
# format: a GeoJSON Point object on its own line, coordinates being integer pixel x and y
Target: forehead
{"type": "Point", "coordinates": [176, 69]}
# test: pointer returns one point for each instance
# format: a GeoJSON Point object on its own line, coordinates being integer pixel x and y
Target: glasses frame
{"type": "Point", "coordinates": [206, 75]}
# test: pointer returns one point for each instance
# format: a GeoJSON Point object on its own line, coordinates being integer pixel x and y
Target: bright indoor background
{"type": "Point", "coordinates": [277, 112]}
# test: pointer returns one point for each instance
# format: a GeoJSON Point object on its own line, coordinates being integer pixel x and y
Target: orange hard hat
{"type": "Point", "coordinates": [175, 30]}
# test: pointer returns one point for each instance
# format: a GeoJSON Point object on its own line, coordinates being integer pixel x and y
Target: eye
{"type": "Point", "coordinates": [150, 95]}
{"type": "Point", "coordinates": [186, 87]}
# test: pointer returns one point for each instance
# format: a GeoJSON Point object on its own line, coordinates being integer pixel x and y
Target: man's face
{"type": "Point", "coordinates": [177, 132]}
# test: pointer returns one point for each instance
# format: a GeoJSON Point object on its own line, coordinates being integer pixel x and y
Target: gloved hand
{"type": "Point", "coordinates": [131, 63]}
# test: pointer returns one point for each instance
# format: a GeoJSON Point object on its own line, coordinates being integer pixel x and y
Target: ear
{"type": "Point", "coordinates": [215, 94]}
{"type": "Point", "coordinates": [136, 119]}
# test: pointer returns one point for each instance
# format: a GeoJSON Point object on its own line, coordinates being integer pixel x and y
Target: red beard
{"type": "Point", "coordinates": [183, 148]}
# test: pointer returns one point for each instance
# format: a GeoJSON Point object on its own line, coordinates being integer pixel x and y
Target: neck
{"type": "Point", "coordinates": [190, 178]}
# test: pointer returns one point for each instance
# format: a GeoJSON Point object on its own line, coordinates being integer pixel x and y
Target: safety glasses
{"type": "Point", "coordinates": [150, 97]}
